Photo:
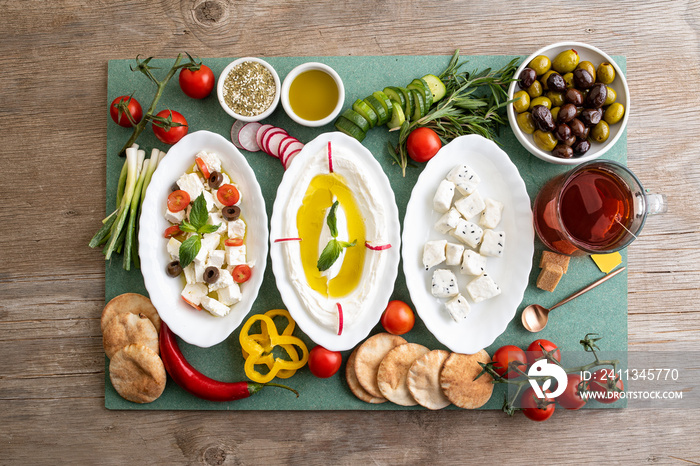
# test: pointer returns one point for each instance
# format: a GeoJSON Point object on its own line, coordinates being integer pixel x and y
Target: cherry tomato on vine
{"type": "Point", "coordinates": [174, 133]}
{"type": "Point", "coordinates": [422, 144]}
{"type": "Point", "coordinates": [227, 194]}
{"type": "Point", "coordinates": [197, 84]}
{"type": "Point", "coordinates": [132, 105]}
{"type": "Point", "coordinates": [241, 273]}
{"type": "Point", "coordinates": [537, 409]}
{"type": "Point", "coordinates": [571, 398]}
{"type": "Point", "coordinates": [534, 351]}
{"type": "Point", "coordinates": [398, 318]}
{"type": "Point", "coordinates": [504, 356]}
{"type": "Point", "coordinates": [178, 200]}
{"type": "Point", "coordinates": [604, 381]}
{"type": "Point", "coordinates": [324, 363]}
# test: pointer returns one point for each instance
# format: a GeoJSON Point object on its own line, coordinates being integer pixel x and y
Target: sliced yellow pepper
{"type": "Point", "coordinates": [257, 348]}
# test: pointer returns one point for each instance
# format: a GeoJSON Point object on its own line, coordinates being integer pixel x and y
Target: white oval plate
{"type": "Point", "coordinates": [199, 327]}
{"type": "Point", "coordinates": [352, 334]}
{"type": "Point", "coordinates": [500, 180]}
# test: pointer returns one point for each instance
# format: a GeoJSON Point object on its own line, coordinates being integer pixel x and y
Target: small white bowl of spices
{"type": "Point", "coordinates": [249, 89]}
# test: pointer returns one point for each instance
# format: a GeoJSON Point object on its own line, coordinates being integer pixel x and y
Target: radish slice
{"type": "Point", "coordinates": [380, 247]}
{"type": "Point", "coordinates": [294, 146]}
{"type": "Point", "coordinates": [273, 144]}
{"type": "Point", "coordinates": [247, 137]}
{"type": "Point", "coordinates": [280, 240]}
{"type": "Point", "coordinates": [340, 318]}
{"type": "Point", "coordinates": [261, 133]}
{"type": "Point", "coordinates": [330, 158]}
{"type": "Point", "coordinates": [289, 159]}
{"type": "Point", "coordinates": [285, 142]}
{"type": "Point", "coordinates": [266, 138]}
{"type": "Point", "coordinates": [237, 125]}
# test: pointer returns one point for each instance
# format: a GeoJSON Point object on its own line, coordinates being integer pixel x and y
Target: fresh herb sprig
{"type": "Point", "coordinates": [474, 103]}
{"type": "Point", "coordinates": [197, 226]}
{"type": "Point", "coordinates": [335, 247]}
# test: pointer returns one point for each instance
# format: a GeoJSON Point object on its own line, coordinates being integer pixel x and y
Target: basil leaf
{"type": "Point", "coordinates": [208, 228]}
{"type": "Point", "coordinates": [188, 227]}
{"type": "Point", "coordinates": [331, 220]}
{"type": "Point", "coordinates": [329, 255]}
{"type": "Point", "coordinates": [189, 249]}
{"type": "Point", "coordinates": [199, 213]}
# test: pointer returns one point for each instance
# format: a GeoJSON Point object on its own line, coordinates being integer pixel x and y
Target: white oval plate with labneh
{"type": "Point", "coordinates": [337, 306]}
{"type": "Point", "coordinates": [199, 327]}
{"type": "Point", "coordinates": [485, 307]}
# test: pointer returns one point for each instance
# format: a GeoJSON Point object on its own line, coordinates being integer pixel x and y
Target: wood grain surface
{"type": "Point", "coordinates": [53, 126]}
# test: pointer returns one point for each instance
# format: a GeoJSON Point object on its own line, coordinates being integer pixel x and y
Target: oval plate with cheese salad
{"type": "Point", "coordinates": [468, 267]}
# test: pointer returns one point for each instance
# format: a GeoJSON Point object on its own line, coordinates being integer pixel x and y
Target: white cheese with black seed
{"type": "Point", "coordinates": [493, 243]}
{"type": "Point", "coordinates": [434, 253]}
{"type": "Point", "coordinates": [467, 232]}
{"type": "Point", "coordinates": [483, 288]}
{"type": "Point", "coordinates": [448, 221]}
{"type": "Point", "coordinates": [443, 196]}
{"type": "Point", "coordinates": [444, 284]}
{"type": "Point", "coordinates": [458, 308]}
{"type": "Point", "coordinates": [470, 206]}
{"type": "Point", "coordinates": [464, 178]}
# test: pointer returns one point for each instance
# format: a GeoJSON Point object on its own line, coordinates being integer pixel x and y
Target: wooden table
{"type": "Point", "coordinates": [53, 120]}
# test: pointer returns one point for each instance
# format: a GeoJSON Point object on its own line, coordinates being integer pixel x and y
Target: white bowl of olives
{"type": "Point", "coordinates": [571, 103]}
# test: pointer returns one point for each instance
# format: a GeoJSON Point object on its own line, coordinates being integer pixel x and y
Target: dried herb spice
{"type": "Point", "coordinates": [249, 88]}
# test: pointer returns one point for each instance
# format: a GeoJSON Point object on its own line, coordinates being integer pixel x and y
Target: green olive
{"type": "Point", "coordinates": [600, 132]}
{"type": "Point", "coordinates": [535, 90]}
{"type": "Point", "coordinates": [557, 98]}
{"type": "Point", "coordinates": [544, 140]}
{"type": "Point", "coordinates": [606, 73]}
{"type": "Point", "coordinates": [555, 113]}
{"type": "Point", "coordinates": [588, 66]}
{"type": "Point", "coordinates": [614, 113]}
{"type": "Point", "coordinates": [610, 97]}
{"type": "Point", "coordinates": [569, 80]}
{"type": "Point", "coordinates": [544, 78]}
{"type": "Point", "coordinates": [541, 101]}
{"type": "Point", "coordinates": [566, 61]}
{"type": "Point", "coordinates": [522, 101]}
{"type": "Point", "coordinates": [541, 64]}
{"type": "Point", "coordinates": [526, 122]}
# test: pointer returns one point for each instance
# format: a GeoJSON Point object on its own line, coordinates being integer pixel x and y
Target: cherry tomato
{"type": "Point", "coordinates": [241, 273]}
{"type": "Point", "coordinates": [178, 200]}
{"type": "Point", "coordinates": [132, 106]}
{"type": "Point", "coordinates": [175, 133]}
{"type": "Point", "coordinates": [604, 382]}
{"type": "Point", "coordinates": [535, 353]}
{"type": "Point", "coordinates": [324, 363]}
{"type": "Point", "coordinates": [423, 144]}
{"type": "Point", "coordinates": [197, 84]}
{"type": "Point", "coordinates": [535, 408]}
{"type": "Point", "coordinates": [504, 356]}
{"type": "Point", "coordinates": [202, 167]}
{"type": "Point", "coordinates": [172, 230]}
{"type": "Point", "coordinates": [227, 194]}
{"type": "Point", "coordinates": [234, 242]}
{"type": "Point", "coordinates": [571, 398]}
{"type": "Point", "coordinates": [398, 318]}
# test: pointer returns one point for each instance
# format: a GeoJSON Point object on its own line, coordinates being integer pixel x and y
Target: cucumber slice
{"type": "Point", "coordinates": [367, 112]}
{"type": "Point", "coordinates": [427, 93]}
{"type": "Point", "coordinates": [356, 118]}
{"type": "Point", "coordinates": [397, 117]}
{"type": "Point", "coordinates": [379, 109]}
{"type": "Point", "coordinates": [419, 108]}
{"type": "Point", "coordinates": [437, 87]}
{"type": "Point", "coordinates": [384, 100]}
{"type": "Point", "coordinates": [408, 104]}
{"type": "Point", "coordinates": [396, 95]}
{"type": "Point", "coordinates": [346, 126]}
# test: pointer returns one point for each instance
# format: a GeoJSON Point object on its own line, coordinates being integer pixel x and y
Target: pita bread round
{"type": "Point", "coordinates": [127, 329]}
{"type": "Point", "coordinates": [369, 355]}
{"type": "Point", "coordinates": [130, 303]}
{"type": "Point", "coordinates": [423, 380]}
{"type": "Point", "coordinates": [393, 370]}
{"type": "Point", "coordinates": [457, 380]}
{"type": "Point", "coordinates": [354, 384]}
{"type": "Point", "coordinates": [137, 374]}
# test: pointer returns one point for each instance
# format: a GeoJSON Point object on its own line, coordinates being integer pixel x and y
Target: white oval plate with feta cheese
{"type": "Point", "coordinates": [199, 328]}
{"type": "Point", "coordinates": [500, 180]}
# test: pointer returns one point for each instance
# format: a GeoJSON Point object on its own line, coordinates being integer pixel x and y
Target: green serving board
{"type": "Point", "coordinates": [603, 310]}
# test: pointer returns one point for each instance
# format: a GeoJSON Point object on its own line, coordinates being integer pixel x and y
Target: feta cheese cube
{"type": "Point", "coordinates": [190, 276]}
{"type": "Point", "coordinates": [209, 199]}
{"type": "Point", "coordinates": [201, 258]}
{"type": "Point", "coordinates": [215, 218]}
{"type": "Point", "coordinates": [458, 308]}
{"type": "Point", "coordinates": [174, 217]}
{"type": "Point", "coordinates": [453, 253]}
{"type": "Point", "coordinates": [493, 243]}
{"type": "Point", "coordinates": [229, 295]}
{"type": "Point", "coordinates": [473, 263]}
{"type": "Point", "coordinates": [199, 268]}
{"type": "Point", "coordinates": [433, 253]}
{"type": "Point", "coordinates": [192, 184]}
{"type": "Point", "coordinates": [210, 159]}
{"type": "Point", "coordinates": [174, 248]}
{"type": "Point", "coordinates": [194, 293]}
{"type": "Point", "coordinates": [482, 288]}
{"type": "Point", "coordinates": [216, 258]}
{"type": "Point", "coordinates": [467, 232]}
{"type": "Point", "coordinates": [443, 196]}
{"type": "Point", "coordinates": [444, 284]}
{"type": "Point", "coordinates": [226, 179]}
{"type": "Point", "coordinates": [464, 178]}
{"type": "Point", "coordinates": [235, 255]}
{"type": "Point", "coordinates": [448, 221]}
{"type": "Point", "coordinates": [210, 241]}
{"type": "Point", "coordinates": [471, 205]}
{"type": "Point", "coordinates": [491, 216]}
{"type": "Point", "coordinates": [215, 307]}
{"type": "Point", "coordinates": [236, 229]}
{"type": "Point", "coordinates": [225, 279]}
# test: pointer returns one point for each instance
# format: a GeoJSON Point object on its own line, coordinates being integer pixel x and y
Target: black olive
{"type": "Point", "coordinates": [543, 118]}
{"type": "Point", "coordinates": [581, 147]}
{"type": "Point", "coordinates": [563, 151]}
{"type": "Point", "coordinates": [211, 274]}
{"type": "Point", "coordinates": [556, 83]}
{"type": "Point", "coordinates": [527, 77]}
{"type": "Point", "coordinates": [596, 96]}
{"type": "Point", "coordinates": [562, 132]}
{"type": "Point", "coordinates": [591, 116]}
{"type": "Point", "coordinates": [578, 129]}
{"type": "Point", "coordinates": [570, 141]}
{"type": "Point", "coordinates": [174, 187]}
{"type": "Point", "coordinates": [215, 180]}
{"type": "Point", "coordinates": [567, 112]}
{"type": "Point", "coordinates": [231, 213]}
{"type": "Point", "coordinates": [574, 96]}
{"type": "Point", "coordinates": [583, 79]}
{"type": "Point", "coordinates": [173, 269]}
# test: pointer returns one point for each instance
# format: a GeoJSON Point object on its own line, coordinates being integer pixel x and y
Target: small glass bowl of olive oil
{"type": "Point", "coordinates": [313, 94]}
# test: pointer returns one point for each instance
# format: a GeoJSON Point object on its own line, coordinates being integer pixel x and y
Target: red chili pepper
{"type": "Point", "coordinates": [198, 384]}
